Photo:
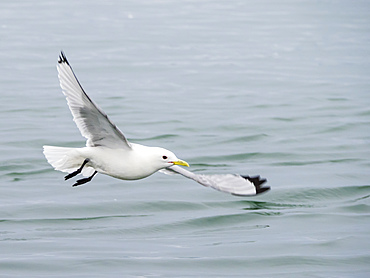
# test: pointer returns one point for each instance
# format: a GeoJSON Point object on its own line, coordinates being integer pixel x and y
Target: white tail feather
{"type": "Point", "coordinates": [66, 160]}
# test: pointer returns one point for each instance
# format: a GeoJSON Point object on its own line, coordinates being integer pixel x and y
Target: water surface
{"type": "Point", "coordinates": [276, 88]}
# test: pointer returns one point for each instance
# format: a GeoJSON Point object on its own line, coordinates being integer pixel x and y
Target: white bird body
{"type": "Point", "coordinates": [108, 151]}
{"type": "Point", "coordinates": [136, 163]}
{"type": "Point", "coordinates": [125, 164]}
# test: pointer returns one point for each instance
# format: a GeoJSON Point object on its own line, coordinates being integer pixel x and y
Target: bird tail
{"type": "Point", "coordinates": [65, 159]}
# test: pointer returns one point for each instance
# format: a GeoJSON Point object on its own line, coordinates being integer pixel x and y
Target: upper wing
{"type": "Point", "coordinates": [92, 122]}
{"type": "Point", "coordinates": [235, 184]}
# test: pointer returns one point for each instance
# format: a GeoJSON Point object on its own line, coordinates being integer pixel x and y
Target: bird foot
{"type": "Point", "coordinates": [85, 180]}
{"type": "Point", "coordinates": [75, 173]}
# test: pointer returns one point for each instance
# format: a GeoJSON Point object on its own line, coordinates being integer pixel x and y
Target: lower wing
{"type": "Point", "coordinates": [234, 184]}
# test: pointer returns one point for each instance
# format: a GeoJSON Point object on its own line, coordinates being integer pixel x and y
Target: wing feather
{"type": "Point", "coordinates": [92, 122]}
{"type": "Point", "coordinates": [230, 183]}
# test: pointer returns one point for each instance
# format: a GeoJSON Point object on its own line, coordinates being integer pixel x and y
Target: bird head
{"type": "Point", "coordinates": [166, 158]}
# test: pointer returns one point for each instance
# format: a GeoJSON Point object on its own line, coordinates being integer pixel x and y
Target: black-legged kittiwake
{"type": "Point", "coordinates": [108, 151]}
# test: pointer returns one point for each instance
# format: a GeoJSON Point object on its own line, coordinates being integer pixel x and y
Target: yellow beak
{"type": "Point", "coordinates": [181, 162]}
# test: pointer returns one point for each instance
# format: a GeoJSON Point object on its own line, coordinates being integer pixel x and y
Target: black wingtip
{"type": "Point", "coordinates": [260, 190]}
{"type": "Point", "coordinates": [258, 182]}
{"type": "Point", "coordinates": [62, 58]}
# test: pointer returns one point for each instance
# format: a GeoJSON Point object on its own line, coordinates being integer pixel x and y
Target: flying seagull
{"type": "Point", "coordinates": [108, 151]}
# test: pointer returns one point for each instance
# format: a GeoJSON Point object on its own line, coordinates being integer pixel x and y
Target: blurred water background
{"type": "Point", "coordinates": [276, 88]}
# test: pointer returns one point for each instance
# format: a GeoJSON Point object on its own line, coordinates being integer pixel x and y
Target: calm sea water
{"type": "Point", "coordinates": [276, 88]}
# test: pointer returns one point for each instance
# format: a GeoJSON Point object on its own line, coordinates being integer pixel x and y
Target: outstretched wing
{"type": "Point", "coordinates": [234, 184]}
{"type": "Point", "coordinates": [92, 122]}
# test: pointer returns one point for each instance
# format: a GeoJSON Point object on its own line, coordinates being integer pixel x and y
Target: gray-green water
{"type": "Point", "coordinates": [276, 88]}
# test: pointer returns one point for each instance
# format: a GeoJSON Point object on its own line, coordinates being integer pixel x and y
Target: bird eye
{"type": "Point", "coordinates": [164, 157]}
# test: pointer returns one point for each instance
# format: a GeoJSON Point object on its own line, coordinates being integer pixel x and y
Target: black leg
{"type": "Point", "coordinates": [85, 180]}
{"type": "Point", "coordinates": [75, 173]}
